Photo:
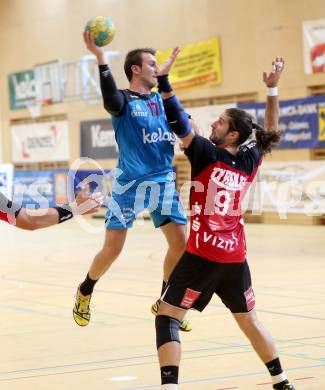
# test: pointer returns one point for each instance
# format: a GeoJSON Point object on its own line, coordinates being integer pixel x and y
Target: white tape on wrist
{"type": "Point", "coordinates": [273, 91]}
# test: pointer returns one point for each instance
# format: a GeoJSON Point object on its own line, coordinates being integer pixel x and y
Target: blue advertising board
{"type": "Point", "coordinates": [44, 189]}
{"type": "Point", "coordinates": [34, 189]}
{"type": "Point", "coordinates": [302, 121]}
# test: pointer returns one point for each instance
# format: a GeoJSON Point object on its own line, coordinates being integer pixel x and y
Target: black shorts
{"type": "Point", "coordinates": [194, 280]}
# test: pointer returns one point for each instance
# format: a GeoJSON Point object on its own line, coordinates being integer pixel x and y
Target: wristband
{"type": "Point", "coordinates": [65, 212]}
{"type": "Point", "coordinates": [272, 91]}
{"type": "Point", "coordinates": [163, 84]}
{"type": "Point", "coordinates": [178, 119]}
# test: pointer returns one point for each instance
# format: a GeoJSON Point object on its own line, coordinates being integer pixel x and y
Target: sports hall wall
{"type": "Point", "coordinates": [252, 33]}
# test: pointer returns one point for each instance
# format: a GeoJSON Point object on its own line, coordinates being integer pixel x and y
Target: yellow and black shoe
{"type": "Point", "coordinates": [81, 310]}
{"type": "Point", "coordinates": [184, 326]}
{"type": "Point", "coordinates": [155, 308]}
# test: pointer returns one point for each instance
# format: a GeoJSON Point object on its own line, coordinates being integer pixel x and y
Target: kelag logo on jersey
{"type": "Point", "coordinates": [158, 136]}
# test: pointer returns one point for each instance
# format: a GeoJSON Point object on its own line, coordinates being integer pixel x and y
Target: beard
{"type": "Point", "coordinates": [216, 140]}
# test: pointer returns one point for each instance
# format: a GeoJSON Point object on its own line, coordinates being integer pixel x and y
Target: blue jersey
{"type": "Point", "coordinates": [145, 140]}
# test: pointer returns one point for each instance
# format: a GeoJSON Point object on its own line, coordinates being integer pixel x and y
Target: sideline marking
{"type": "Point", "coordinates": [124, 378]}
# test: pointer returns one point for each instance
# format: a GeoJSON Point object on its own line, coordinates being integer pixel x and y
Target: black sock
{"type": "Point", "coordinates": [274, 367]}
{"type": "Point", "coordinates": [87, 286]}
{"type": "Point", "coordinates": [164, 284]}
{"type": "Point", "coordinates": [169, 374]}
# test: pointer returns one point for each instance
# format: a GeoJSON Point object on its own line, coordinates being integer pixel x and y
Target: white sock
{"type": "Point", "coordinates": [278, 378]}
{"type": "Point", "coordinates": [169, 386]}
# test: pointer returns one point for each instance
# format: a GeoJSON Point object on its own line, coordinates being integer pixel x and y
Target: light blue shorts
{"type": "Point", "coordinates": [161, 199]}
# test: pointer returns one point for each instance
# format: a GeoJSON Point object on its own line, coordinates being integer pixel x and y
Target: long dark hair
{"type": "Point", "coordinates": [242, 122]}
{"type": "Point", "coordinates": [266, 139]}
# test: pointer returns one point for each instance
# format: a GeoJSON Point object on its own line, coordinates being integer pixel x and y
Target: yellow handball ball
{"type": "Point", "coordinates": [102, 29]}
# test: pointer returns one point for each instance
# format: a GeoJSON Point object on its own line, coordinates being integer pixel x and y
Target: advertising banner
{"type": "Point", "coordinates": [22, 87]}
{"type": "Point", "coordinates": [97, 139]}
{"type": "Point", "coordinates": [40, 142]}
{"type": "Point", "coordinates": [34, 189]}
{"type": "Point", "coordinates": [47, 188]}
{"type": "Point", "coordinates": [302, 121]}
{"type": "Point", "coordinates": [314, 45]}
{"type": "Point", "coordinates": [197, 64]}
{"type": "Point", "coordinates": [288, 187]}
{"type": "Point", "coordinates": [6, 179]}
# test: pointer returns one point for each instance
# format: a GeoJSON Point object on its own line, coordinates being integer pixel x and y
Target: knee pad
{"type": "Point", "coordinates": [167, 330]}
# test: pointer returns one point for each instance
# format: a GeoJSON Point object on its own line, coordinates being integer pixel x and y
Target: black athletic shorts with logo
{"type": "Point", "coordinates": [194, 280]}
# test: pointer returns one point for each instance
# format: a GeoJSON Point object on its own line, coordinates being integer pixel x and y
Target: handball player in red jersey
{"type": "Point", "coordinates": [215, 258]}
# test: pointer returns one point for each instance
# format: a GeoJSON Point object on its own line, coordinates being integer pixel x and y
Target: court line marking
{"type": "Point", "coordinates": [291, 315]}
{"type": "Point", "coordinates": [138, 357]}
{"type": "Point", "coordinates": [212, 379]}
{"type": "Point", "coordinates": [245, 348]}
{"type": "Point", "coordinates": [58, 314]}
{"type": "Point", "coordinates": [153, 297]}
{"type": "Point", "coordinates": [306, 377]}
{"type": "Point", "coordinates": [124, 378]}
{"type": "Point", "coordinates": [156, 386]}
{"type": "Point", "coordinates": [228, 388]}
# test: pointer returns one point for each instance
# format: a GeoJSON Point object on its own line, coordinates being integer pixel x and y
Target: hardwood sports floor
{"type": "Point", "coordinates": [43, 349]}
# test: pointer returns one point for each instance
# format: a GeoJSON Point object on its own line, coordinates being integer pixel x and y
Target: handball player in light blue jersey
{"type": "Point", "coordinates": [144, 177]}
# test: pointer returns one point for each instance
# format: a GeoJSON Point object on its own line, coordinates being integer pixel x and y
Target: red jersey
{"type": "Point", "coordinates": [220, 181]}
{"type": "Point", "coordinates": [8, 210]}
{"type": "Point", "coordinates": [4, 216]}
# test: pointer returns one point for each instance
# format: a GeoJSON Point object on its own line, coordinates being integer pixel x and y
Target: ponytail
{"type": "Point", "coordinates": [266, 139]}
{"type": "Point", "coordinates": [242, 122]}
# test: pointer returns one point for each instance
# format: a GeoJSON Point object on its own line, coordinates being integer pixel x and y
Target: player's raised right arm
{"type": "Point", "coordinates": [112, 97]}
{"type": "Point", "coordinates": [177, 117]}
{"type": "Point", "coordinates": [271, 80]}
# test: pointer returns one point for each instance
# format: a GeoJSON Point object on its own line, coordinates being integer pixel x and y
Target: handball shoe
{"type": "Point", "coordinates": [81, 310]}
{"type": "Point", "coordinates": [184, 326]}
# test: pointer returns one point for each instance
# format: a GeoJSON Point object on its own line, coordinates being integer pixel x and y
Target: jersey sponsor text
{"type": "Point", "coordinates": [158, 136]}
